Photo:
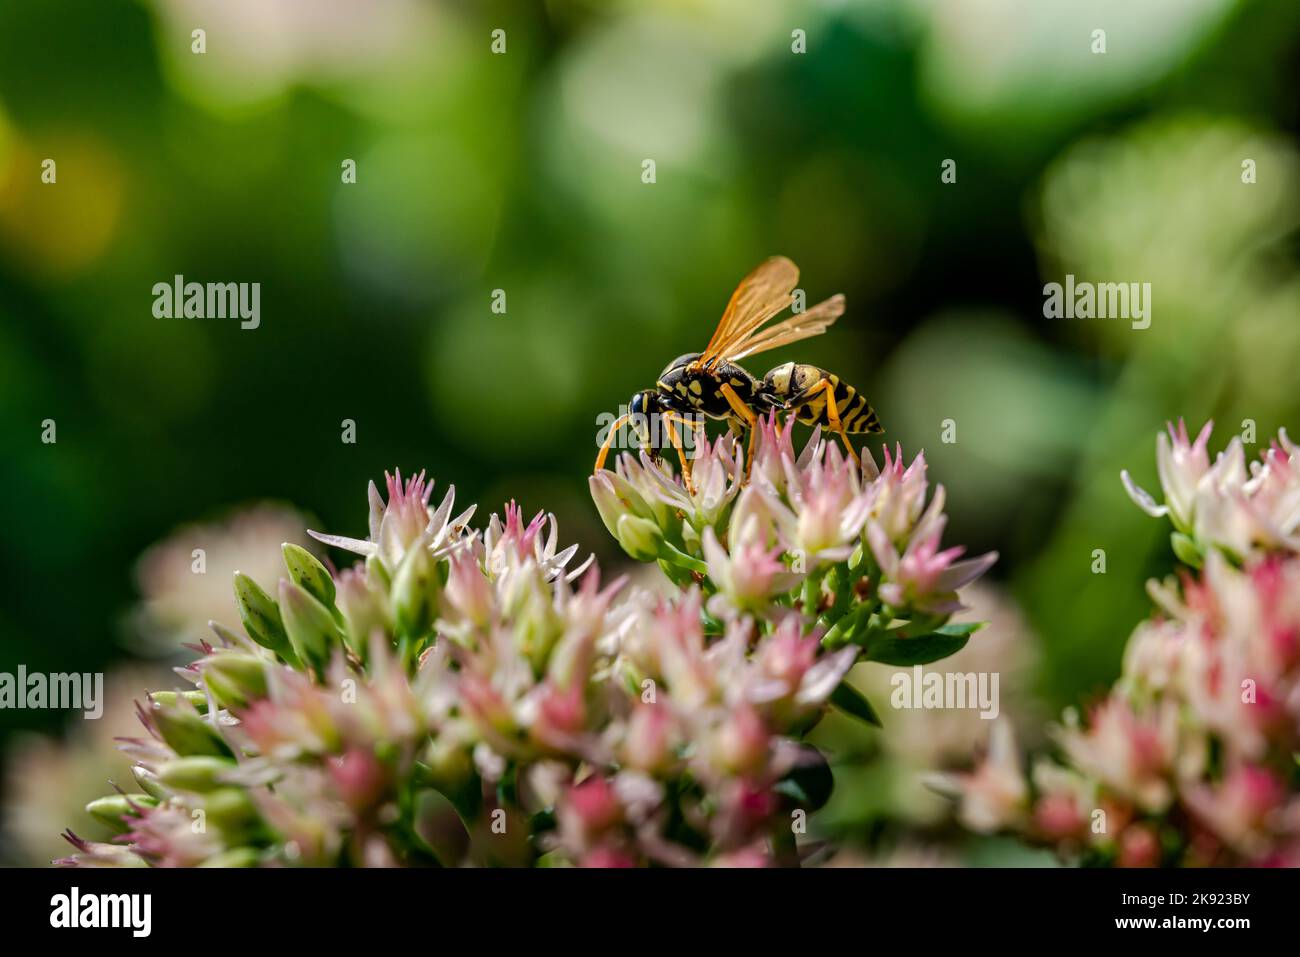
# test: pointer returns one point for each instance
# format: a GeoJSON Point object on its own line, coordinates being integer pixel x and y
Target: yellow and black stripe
{"type": "Point", "coordinates": [802, 387]}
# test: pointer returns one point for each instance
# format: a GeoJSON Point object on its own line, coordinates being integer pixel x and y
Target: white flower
{"type": "Point", "coordinates": [400, 522]}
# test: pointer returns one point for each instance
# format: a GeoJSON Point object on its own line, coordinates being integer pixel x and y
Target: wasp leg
{"type": "Point", "coordinates": [609, 441]}
{"type": "Point", "coordinates": [750, 416]}
{"type": "Point", "coordinates": [833, 416]}
{"type": "Point", "coordinates": [670, 418]}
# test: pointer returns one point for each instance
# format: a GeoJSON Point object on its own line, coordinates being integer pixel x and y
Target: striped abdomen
{"type": "Point", "coordinates": [801, 389]}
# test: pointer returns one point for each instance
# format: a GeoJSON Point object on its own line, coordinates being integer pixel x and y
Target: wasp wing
{"type": "Point", "coordinates": [804, 325]}
{"type": "Point", "coordinates": [760, 296]}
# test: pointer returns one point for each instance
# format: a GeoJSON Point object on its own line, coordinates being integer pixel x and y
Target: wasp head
{"type": "Point", "coordinates": [642, 408]}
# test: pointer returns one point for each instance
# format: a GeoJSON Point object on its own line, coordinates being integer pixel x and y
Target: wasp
{"type": "Point", "coordinates": [712, 383]}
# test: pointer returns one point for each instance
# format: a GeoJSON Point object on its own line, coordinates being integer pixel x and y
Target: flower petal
{"type": "Point", "coordinates": [1141, 497]}
{"type": "Point", "coordinates": [354, 545]}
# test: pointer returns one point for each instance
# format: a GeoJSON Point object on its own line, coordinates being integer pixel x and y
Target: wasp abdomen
{"type": "Point", "coordinates": [802, 390]}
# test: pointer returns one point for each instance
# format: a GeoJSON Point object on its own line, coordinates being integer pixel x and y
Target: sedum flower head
{"type": "Point", "coordinates": [1227, 504]}
{"type": "Point", "coordinates": [1190, 758]}
{"type": "Point", "coordinates": [832, 523]}
{"type": "Point", "coordinates": [468, 695]}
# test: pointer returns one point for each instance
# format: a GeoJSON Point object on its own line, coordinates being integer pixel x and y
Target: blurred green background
{"type": "Point", "coordinates": [522, 171]}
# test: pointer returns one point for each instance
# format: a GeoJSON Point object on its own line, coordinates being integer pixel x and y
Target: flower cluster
{"type": "Point", "coordinates": [1191, 757]}
{"type": "Point", "coordinates": [1226, 505]}
{"type": "Point", "coordinates": [466, 696]}
{"type": "Point", "coordinates": [857, 548]}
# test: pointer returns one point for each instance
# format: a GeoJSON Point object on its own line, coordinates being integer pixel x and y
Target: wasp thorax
{"type": "Point", "coordinates": [682, 385]}
{"type": "Point", "coordinates": [670, 379]}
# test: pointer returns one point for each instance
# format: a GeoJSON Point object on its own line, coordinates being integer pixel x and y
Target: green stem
{"type": "Point", "coordinates": [811, 595]}
{"type": "Point", "coordinates": [678, 557]}
{"type": "Point", "coordinates": [844, 630]}
{"type": "Point", "coordinates": [678, 576]}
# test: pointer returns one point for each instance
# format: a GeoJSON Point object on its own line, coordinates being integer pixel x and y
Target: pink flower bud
{"type": "Point", "coordinates": [608, 857]}
{"type": "Point", "coordinates": [741, 744]}
{"type": "Point", "coordinates": [360, 778]}
{"type": "Point", "coordinates": [1058, 817]}
{"type": "Point", "coordinates": [588, 812]}
{"type": "Point", "coordinates": [1139, 847]}
{"type": "Point", "coordinates": [468, 591]}
{"type": "Point", "coordinates": [648, 745]}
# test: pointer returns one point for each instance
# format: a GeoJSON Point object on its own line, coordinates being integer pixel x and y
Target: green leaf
{"type": "Point", "coordinates": [235, 857]}
{"type": "Point", "coordinates": [149, 782]}
{"type": "Point", "coordinates": [712, 626]}
{"type": "Point", "coordinates": [853, 702]}
{"type": "Point", "coordinates": [508, 787]}
{"type": "Point", "coordinates": [235, 679]}
{"type": "Point", "coordinates": [960, 628]}
{"type": "Point", "coordinates": [845, 630]}
{"type": "Point", "coordinates": [199, 772]}
{"type": "Point", "coordinates": [311, 629]}
{"type": "Point", "coordinates": [169, 699]}
{"type": "Point", "coordinates": [920, 650]}
{"type": "Point", "coordinates": [415, 592]}
{"type": "Point", "coordinates": [116, 809]}
{"type": "Point", "coordinates": [309, 573]}
{"type": "Point", "coordinates": [809, 783]}
{"type": "Point", "coordinates": [678, 576]}
{"type": "Point", "coordinates": [641, 538]}
{"type": "Point", "coordinates": [261, 617]}
{"type": "Point", "coordinates": [542, 821]}
{"type": "Point", "coordinates": [676, 556]}
{"type": "Point", "coordinates": [1185, 549]}
{"type": "Point", "coordinates": [840, 588]}
{"type": "Point", "coordinates": [185, 732]}
{"type": "Point", "coordinates": [231, 809]}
